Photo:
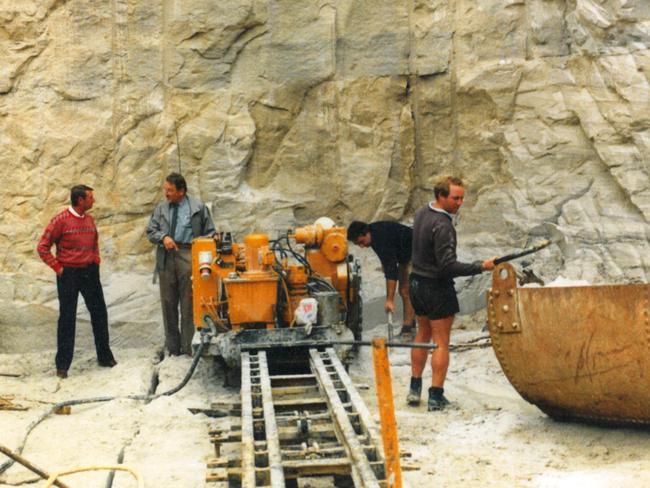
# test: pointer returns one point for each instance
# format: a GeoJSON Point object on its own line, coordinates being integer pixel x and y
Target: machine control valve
{"type": "Point", "coordinates": [223, 264]}
{"type": "Point", "coordinates": [205, 264]}
{"type": "Point", "coordinates": [224, 243]}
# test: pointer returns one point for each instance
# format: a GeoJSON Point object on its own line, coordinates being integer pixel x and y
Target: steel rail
{"type": "Point", "coordinates": [362, 473]}
{"type": "Point", "coordinates": [270, 425]}
{"type": "Point", "coordinates": [368, 425]}
{"type": "Point", "coordinates": [297, 426]}
{"type": "Point", "coordinates": [247, 432]}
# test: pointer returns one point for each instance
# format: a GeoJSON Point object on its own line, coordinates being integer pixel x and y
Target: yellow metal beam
{"type": "Point", "coordinates": [387, 413]}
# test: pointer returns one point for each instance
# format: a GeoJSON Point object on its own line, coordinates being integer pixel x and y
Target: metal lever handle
{"type": "Point", "coordinates": [525, 252]}
{"type": "Point", "coordinates": [390, 326]}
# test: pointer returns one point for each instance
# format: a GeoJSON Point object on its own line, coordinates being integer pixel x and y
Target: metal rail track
{"type": "Point", "coordinates": [297, 426]}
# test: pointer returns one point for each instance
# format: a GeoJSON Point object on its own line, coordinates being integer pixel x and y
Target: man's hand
{"type": "Point", "coordinates": [169, 244]}
{"type": "Point", "coordinates": [488, 264]}
{"type": "Point", "coordinates": [391, 286]}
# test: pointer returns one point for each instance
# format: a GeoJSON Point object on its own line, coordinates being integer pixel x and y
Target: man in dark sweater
{"type": "Point", "coordinates": [77, 271]}
{"type": "Point", "coordinates": [392, 243]}
{"type": "Point", "coordinates": [432, 286]}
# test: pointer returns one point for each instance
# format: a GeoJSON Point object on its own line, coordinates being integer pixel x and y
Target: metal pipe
{"type": "Point", "coordinates": [525, 252]}
{"type": "Point", "coordinates": [390, 326]}
{"type": "Point", "coordinates": [409, 345]}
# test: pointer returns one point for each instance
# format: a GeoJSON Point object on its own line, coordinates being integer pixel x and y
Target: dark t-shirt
{"type": "Point", "coordinates": [392, 243]}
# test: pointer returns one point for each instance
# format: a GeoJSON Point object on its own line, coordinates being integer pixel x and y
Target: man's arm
{"type": "Point", "coordinates": [391, 286]}
{"type": "Point", "coordinates": [154, 231]}
{"type": "Point", "coordinates": [96, 247]}
{"type": "Point", "coordinates": [391, 273]}
{"type": "Point", "coordinates": [444, 238]}
{"type": "Point", "coordinates": [51, 235]}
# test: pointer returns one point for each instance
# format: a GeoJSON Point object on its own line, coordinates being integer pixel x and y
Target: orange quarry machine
{"type": "Point", "coordinates": [275, 295]}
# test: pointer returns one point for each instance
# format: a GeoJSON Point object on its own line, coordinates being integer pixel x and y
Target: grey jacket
{"type": "Point", "coordinates": [160, 223]}
{"type": "Point", "coordinates": [434, 247]}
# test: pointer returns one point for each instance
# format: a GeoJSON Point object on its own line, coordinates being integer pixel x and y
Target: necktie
{"type": "Point", "coordinates": [172, 230]}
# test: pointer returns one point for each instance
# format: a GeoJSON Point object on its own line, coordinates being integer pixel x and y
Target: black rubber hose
{"type": "Point", "coordinates": [190, 372]}
{"type": "Point", "coordinates": [68, 403]}
{"type": "Point", "coordinates": [302, 260]}
{"type": "Point", "coordinates": [324, 283]}
{"type": "Point", "coordinates": [277, 247]}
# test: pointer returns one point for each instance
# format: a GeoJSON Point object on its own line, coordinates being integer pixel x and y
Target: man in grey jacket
{"type": "Point", "coordinates": [432, 286]}
{"type": "Point", "coordinates": [172, 227]}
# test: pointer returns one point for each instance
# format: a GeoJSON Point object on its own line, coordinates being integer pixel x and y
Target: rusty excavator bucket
{"type": "Point", "coordinates": [580, 352]}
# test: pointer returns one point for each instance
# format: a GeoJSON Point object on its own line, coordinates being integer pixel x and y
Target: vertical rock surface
{"type": "Point", "coordinates": [279, 112]}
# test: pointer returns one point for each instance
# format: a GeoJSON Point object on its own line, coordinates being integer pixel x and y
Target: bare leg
{"type": "Point", "coordinates": [440, 333]}
{"type": "Point", "coordinates": [409, 314]}
{"type": "Point", "coordinates": [419, 356]}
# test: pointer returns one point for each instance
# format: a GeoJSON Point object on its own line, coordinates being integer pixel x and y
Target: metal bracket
{"type": "Point", "coordinates": [503, 312]}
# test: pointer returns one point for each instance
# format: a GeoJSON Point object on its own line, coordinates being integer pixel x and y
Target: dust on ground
{"type": "Point", "coordinates": [490, 438]}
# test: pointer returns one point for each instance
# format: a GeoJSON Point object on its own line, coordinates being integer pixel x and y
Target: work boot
{"type": "Point", "coordinates": [107, 364]}
{"type": "Point", "coordinates": [407, 330]}
{"type": "Point", "coordinates": [415, 390]}
{"type": "Point", "coordinates": [437, 400]}
{"type": "Point", "coordinates": [62, 373]}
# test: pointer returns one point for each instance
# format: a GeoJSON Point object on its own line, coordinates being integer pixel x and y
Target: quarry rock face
{"type": "Point", "coordinates": [279, 112]}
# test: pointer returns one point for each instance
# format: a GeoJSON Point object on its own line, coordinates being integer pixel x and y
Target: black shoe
{"type": "Point", "coordinates": [62, 373]}
{"type": "Point", "coordinates": [107, 364]}
{"type": "Point", "coordinates": [437, 400]}
{"type": "Point", "coordinates": [415, 390]}
{"type": "Point", "coordinates": [406, 330]}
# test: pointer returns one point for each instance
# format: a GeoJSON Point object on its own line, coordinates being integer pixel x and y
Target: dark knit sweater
{"type": "Point", "coordinates": [76, 241]}
{"type": "Point", "coordinates": [434, 247]}
{"type": "Point", "coordinates": [391, 241]}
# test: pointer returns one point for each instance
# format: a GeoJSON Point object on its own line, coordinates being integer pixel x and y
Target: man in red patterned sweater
{"type": "Point", "coordinates": [77, 271]}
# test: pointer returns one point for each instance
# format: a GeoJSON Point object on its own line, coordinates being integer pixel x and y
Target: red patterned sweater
{"type": "Point", "coordinates": [76, 241]}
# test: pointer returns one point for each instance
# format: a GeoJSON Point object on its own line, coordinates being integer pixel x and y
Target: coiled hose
{"type": "Point", "coordinates": [205, 339]}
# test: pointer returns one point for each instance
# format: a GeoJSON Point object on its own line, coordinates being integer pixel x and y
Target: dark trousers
{"type": "Point", "coordinates": [176, 292]}
{"type": "Point", "coordinates": [72, 282]}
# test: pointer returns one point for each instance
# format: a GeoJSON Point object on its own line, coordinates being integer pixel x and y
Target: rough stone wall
{"type": "Point", "coordinates": [280, 111]}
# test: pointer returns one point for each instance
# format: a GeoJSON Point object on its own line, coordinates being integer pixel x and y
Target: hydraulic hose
{"type": "Point", "coordinates": [54, 477]}
{"type": "Point", "coordinates": [68, 403]}
{"type": "Point", "coordinates": [188, 375]}
{"type": "Point", "coordinates": [323, 283]}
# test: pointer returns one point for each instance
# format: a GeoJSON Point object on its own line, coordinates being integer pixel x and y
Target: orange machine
{"type": "Point", "coordinates": [258, 285]}
{"type": "Point", "coordinates": [326, 250]}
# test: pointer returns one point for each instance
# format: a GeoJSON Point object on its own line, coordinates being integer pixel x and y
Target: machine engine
{"type": "Point", "coordinates": [256, 295]}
